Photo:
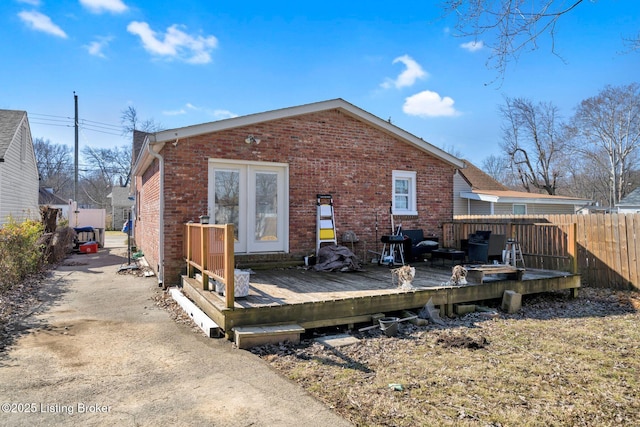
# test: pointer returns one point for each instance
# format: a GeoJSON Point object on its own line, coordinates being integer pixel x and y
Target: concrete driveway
{"type": "Point", "coordinates": [99, 352]}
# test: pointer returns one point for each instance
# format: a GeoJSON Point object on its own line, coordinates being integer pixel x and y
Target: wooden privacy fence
{"type": "Point", "coordinates": [602, 248]}
{"type": "Point", "coordinates": [208, 248]}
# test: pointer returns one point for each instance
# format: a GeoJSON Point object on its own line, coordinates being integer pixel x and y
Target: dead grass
{"type": "Point", "coordinates": [559, 362]}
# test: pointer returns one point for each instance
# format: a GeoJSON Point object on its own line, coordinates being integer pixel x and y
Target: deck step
{"type": "Point", "coordinates": [252, 336]}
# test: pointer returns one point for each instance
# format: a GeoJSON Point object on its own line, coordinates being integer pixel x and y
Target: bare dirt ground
{"type": "Point", "coordinates": [557, 362]}
{"type": "Point", "coordinates": [85, 345]}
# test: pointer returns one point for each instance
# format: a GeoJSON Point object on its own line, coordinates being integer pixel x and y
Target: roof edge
{"type": "Point", "coordinates": [337, 103]}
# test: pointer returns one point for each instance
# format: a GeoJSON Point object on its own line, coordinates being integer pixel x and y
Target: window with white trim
{"type": "Point", "coordinates": [404, 193]}
{"type": "Point", "coordinates": [519, 209]}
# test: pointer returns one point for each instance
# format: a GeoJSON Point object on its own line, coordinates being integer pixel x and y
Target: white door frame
{"type": "Point", "coordinates": [246, 242]}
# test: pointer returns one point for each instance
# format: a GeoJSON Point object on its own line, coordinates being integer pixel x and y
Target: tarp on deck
{"type": "Point", "coordinates": [336, 258]}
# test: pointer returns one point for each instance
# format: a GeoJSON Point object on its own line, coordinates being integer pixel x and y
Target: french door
{"type": "Point", "coordinates": [254, 198]}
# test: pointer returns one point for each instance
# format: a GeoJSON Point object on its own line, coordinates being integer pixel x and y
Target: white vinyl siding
{"type": "Point", "coordinates": [477, 207]}
{"type": "Point", "coordinates": [19, 178]}
{"type": "Point", "coordinates": [460, 205]}
{"type": "Point", "coordinates": [534, 209]}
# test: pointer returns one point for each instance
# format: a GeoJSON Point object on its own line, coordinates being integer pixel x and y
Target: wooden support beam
{"type": "Point", "coordinates": [203, 254]}
{"type": "Point", "coordinates": [208, 326]}
{"type": "Point", "coordinates": [229, 266]}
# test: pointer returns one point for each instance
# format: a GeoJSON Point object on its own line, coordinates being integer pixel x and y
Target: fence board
{"type": "Point", "coordinates": [633, 237]}
{"type": "Point", "coordinates": [623, 248]}
{"type": "Point", "coordinates": [608, 245]}
{"type": "Point", "coordinates": [599, 246]}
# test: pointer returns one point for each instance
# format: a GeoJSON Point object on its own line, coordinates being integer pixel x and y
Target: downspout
{"type": "Point", "coordinates": [161, 220]}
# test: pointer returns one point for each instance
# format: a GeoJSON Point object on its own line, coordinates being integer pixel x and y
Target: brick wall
{"type": "Point", "coordinates": [147, 218]}
{"type": "Point", "coordinates": [328, 152]}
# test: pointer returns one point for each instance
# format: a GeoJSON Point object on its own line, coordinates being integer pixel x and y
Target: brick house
{"type": "Point", "coordinates": [263, 173]}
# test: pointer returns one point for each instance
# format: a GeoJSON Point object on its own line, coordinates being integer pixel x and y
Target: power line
{"type": "Point", "coordinates": [50, 124]}
{"type": "Point", "coordinates": [103, 124]}
{"type": "Point", "coordinates": [70, 119]}
{"type": "Point", "coordinates": [99, 131]}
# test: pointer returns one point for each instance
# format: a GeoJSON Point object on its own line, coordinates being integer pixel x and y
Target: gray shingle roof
{"type": "Point", "coordinates": [9, 121]}
{"type": "Point", "coordinates": [479, 179]}
{"type": "Point", "coordinates": [47, 198]}
{"type": "Point", "coordinates": [631, 199]}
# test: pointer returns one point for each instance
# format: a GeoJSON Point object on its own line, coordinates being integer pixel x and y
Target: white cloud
{"type": "Point", "coordinates": [41, 22]}
{"type": "Point", "coordinates": [473, 46]}
{"type": "Point", "coordinates": [100, 6]}
{"type": "Point", "coordinates": [216, 114]}
{"type": "Point", "coordinates": [179, 112]}
{"type": "Point", "coordinates": [96, 47]}
{"type": "Point", "coordinates": [409, 76]}
{"type": "Point", "coordinates": [429, 104]}
{"type": "Point", "coordinates": [223, 114]}
{"type": "Point", "coordinates": [175, 44]}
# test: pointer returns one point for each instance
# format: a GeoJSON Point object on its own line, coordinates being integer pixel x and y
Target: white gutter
{"type": "Point", "coordinates": [161, 219]}
{"type": "Point", "coordinates": [481, 197]}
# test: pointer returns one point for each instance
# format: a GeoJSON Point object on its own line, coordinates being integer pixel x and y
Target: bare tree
{"type": "Point", "coordinates": [130, 122]}
{"type": "Point", "coordinates": [534, 139]}
{"type": "Point", "coordinates": [496, 167]}
{"type": "Point", "coordinates": [113, 164]}
{"type": "Point", "coordinates": [509, 27]}
{"type": "Point", "coordinates": [93, 190]}
{"type": "Point", "coordinates": [608, 134]}
{"type": "Point", "coordinates": [55, 166]}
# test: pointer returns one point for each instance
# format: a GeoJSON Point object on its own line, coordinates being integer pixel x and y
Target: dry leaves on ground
{"type": "Point", "coordinates": [556, 362]}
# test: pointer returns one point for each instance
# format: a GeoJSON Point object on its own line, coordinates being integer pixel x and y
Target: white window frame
{"type": "Point", "coordinates": [513, 208]}
{"type": "Point", "coordinates": [411, 177]}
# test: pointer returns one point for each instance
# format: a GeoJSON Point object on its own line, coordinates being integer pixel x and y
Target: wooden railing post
{"type": "Point", "coordinates": [229, 265]}
{"type": "Point", "coordinates": [189, 253]}
{"type": "Point", "coordinates": [204, 248]}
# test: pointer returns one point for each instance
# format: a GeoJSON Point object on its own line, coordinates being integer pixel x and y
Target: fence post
{"type": "Point", "coordinates": [572, 246]}
{"type": "Point", "coordinates": [229, 266]}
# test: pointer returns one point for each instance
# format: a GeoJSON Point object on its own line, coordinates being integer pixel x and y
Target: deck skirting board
{"type": "Point", "coordinates": [299, 298]}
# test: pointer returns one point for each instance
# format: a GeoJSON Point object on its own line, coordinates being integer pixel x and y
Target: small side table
{"type": "Point", "coordinates": [451, 254]}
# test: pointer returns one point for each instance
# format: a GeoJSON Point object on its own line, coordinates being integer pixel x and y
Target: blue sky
{"type": "Point", "coordinates": [187, 62]}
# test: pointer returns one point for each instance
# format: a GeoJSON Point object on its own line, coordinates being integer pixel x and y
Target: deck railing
{"type": "Point", "coordinates": [208, 248]}
{"type": "Point", "coordinates": [603, 248]}
{"type": "Point", "coordinates": [549, 246]}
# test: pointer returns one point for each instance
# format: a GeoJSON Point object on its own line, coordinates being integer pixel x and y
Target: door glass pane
{"type": "Point", "coordinates": [227, 200]}
{"type": "Point", "coordinates": [266, 206]}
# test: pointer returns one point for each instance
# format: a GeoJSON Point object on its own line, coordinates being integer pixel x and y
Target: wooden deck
{"type": "Point", "coordinates": [319, 299]}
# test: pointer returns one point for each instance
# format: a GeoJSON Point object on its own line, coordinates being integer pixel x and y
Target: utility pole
{"type": "Point", "coordinates": [75, 162]}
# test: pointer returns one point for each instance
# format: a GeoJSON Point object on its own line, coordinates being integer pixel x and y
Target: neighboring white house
{"type": "Point", "coordinates": [477, 193]}
{"type": "Point", "coordinates": [120, 206]}
{"type": "Point", "coordinates": [630, 203]}
{"type": "Point", "coordinates": [19, 177]}
{"type": "Point", "coordinates": [48, 198]}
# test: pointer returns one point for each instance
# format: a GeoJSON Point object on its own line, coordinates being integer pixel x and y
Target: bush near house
{"type": "Point", "coordinates": [20, 251]}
